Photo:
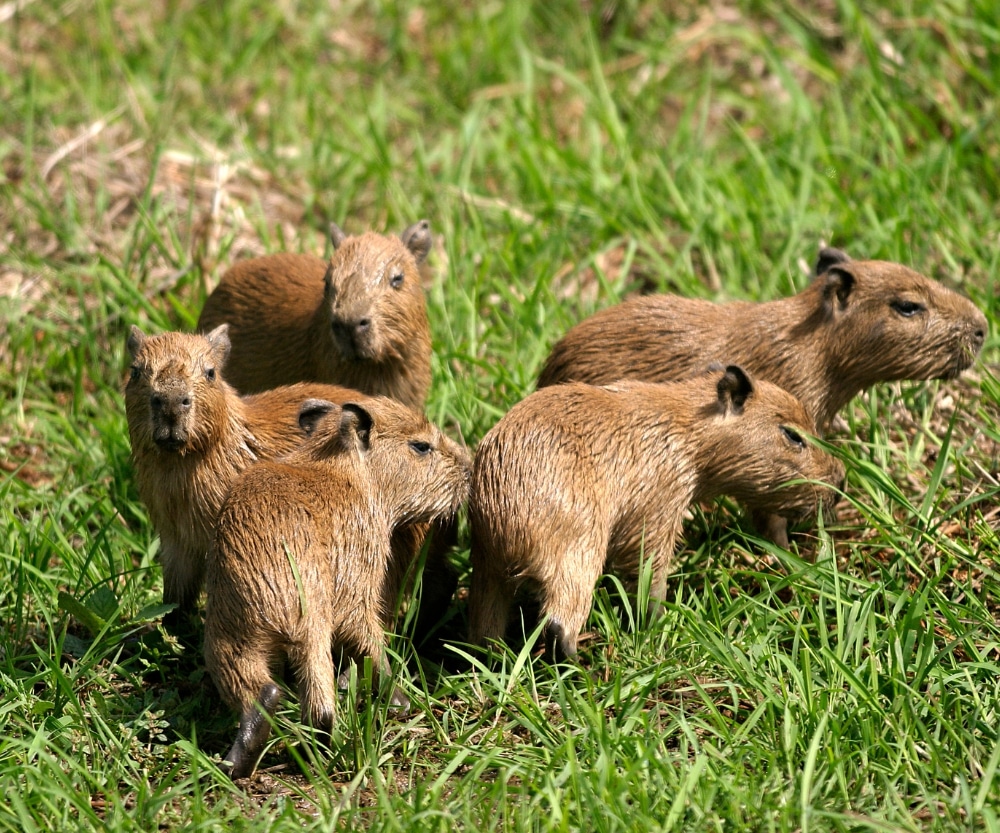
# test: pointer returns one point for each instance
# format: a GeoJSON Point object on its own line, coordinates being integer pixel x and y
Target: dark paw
{"type": "Point", "coordinates": [255, 727]}
{"type": "Point", "coordinates": [560, 645]}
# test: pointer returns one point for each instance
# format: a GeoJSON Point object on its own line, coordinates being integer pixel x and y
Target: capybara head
{"type": "Point", "coordinates": [891, 322]}
{"type": "Point", "coordinates": [756, 448]}
{"type": "Point", "coordinates": [373, 292]}
{"type": "Point", "coordinates": [175, 394]}
{"type": "Point", "coordinates": [421, 473]}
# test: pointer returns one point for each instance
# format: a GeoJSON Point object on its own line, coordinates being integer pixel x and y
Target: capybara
{"type": "Point", "coordinates": [358, 320]}
{"type": "Point", "coordinates": [577, 480]}
{"type": "Point", "coordinates": [859, 322]}
{"type": "Point", "coordinates": [192, 434]}
{"type": "Point", "coordinates": [302, 555]}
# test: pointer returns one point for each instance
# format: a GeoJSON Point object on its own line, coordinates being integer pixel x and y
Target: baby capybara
{"type": "Point", "coordinates": [357, 320]}
{"type": "Point", "coordinates": [302, 557]}
{"type": "Point", "coordinates": [578, 480]}
{"type": "Point", "coordinates": [858, 323]}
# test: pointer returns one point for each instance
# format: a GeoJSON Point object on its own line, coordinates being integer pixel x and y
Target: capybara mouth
{"type": "Point", "coordinates": [170, 443]}
{"type": "Point", "coordinates": [963, 360]}
{"type": "Point", "coordinates": [353, 350]}
{"type": "Point", "coordinates": [805, 511]}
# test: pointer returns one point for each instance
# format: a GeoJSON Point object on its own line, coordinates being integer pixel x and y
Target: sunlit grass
{"type": "Point", "coordinates": [565, 157]}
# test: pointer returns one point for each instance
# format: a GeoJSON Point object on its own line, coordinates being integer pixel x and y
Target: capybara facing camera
{"type": "Point", "coordinates": [358, 319]}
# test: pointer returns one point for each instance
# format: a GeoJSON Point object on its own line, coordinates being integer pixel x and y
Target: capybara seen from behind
{"type": "Point", "coordinates": [357, 320]}
{"type": "Point", "coordinates": [302, 557]}
{"type": "Point", "coordinates": [577, 480]}
{"type": "Point", "coordinates": [192, 434]}
{"type": "Point", "coordinates": [859, 322]}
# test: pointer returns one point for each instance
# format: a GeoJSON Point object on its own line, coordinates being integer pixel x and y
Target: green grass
{"type": "Point", "coordinates": [565, 154]}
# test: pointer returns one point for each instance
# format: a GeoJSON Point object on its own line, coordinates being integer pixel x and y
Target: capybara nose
{"type": "Point", "coordinates": [176, 404]}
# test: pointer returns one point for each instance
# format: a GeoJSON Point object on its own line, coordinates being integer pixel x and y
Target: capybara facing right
{"type": "Point", "coordinates": [302, 557]}
{"type": "Point", "coordinates": [577, 480]}
{"type": "Point", "coordinates": [358, 320]}
{"type": "Point", "coordinates": [858, 323]}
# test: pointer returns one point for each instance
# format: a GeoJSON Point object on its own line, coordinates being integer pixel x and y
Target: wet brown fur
{"type": "Point", "coordinates": [302, 557]}
{"type": "Point", "coordinates": [843, 333]}
{"type": "Point", "coordinates": [578, 480]}
{"type": "Point", "coordinates": [357, 320]}
{"type": "Point", "coordinates": [204, 444]}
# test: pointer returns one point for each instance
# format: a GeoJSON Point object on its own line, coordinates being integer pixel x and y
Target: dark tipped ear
{"type": "Point", "coordinates": [136, 338]}
{"type": "Point", "coordinates": [837, 286]}
{"type": "Point", "coordinates": [219, 339]}
{"type": "Point", "coordinates": [828, 257]}
{"type": "Point", "coordinates": [312, 411]}
{"type": "Point", "coordinates": [337, 236]}
{"type": "Point", "coordinates": [734, 388]}
{"type": "Point", "coordinates": [417, 238]}
{"type": "Point", "coordinates": [355, 425]}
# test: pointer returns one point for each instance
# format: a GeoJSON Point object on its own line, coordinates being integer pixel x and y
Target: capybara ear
{"type": "Point", "coordinates": [136, 338]}
{"type": "Point", "coordinates": [337, 235]}
{"type": "Point", "coordinates": [828, 256]}
{"type": "Point", "coordinates": [838, 284]}
{"type": "Point", "coordinates": [356, 425]}
{"type": "Point", "coordinates": [312, 411]}
{"type": "Point", "coordinates": [219, 339]}
{"type": "Point", "coordinates": [417, 238]}
{"type": "Point", "coordinates": [734, 388]}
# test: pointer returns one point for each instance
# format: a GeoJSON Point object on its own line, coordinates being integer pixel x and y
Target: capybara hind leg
{"type": "Point", "coordinates": [317, 680]}
{"type": "Point", "coordinates": [566, 601]}
{"type": "Point", "coordinates": [255, 726]}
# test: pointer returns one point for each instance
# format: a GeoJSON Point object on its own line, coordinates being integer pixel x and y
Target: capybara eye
{"type": "Point", "coordinates": [420, 447]}
{"type": "Point", "coordinates": [396, 281]}
{"type": "Point", "coordinates": [210, 374]}
{"type": "Point", "coordinates": [793, 436]}
{"type": "Point", "coordinates": [907, 308]}
{"type": "Point", "coordinates": [133, 372]}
